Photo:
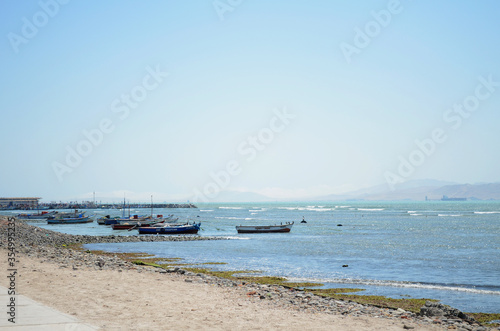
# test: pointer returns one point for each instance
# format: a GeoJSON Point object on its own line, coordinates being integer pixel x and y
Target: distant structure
{"type": "Point", "coordinates": [445, 198]}
{"type": "Point", "coordinates": [19, 203]}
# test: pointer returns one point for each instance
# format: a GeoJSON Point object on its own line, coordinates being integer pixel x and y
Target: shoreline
{"type": "Point", "coordinates": [40, 250]}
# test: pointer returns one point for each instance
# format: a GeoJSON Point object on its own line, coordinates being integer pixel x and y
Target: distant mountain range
{"type": "Point", "coordinates": [420, 190]}
{"type": "Point", "coordinates": [411, 190]}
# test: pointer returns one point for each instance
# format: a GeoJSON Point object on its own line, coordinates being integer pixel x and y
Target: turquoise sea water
{"type": "Point", "coordinates": [442, 250]}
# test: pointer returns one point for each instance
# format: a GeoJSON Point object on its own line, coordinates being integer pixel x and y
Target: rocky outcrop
{"type": "Point", "coordinates": [436, 309]}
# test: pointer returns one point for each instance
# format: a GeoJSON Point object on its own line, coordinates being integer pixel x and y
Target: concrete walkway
{"type": "Point", "coordinates": [32, 315]}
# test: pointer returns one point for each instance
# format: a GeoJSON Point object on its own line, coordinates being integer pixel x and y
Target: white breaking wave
{"type": "Point", "coordinates": [207, 210]}
{"type": "Point", "coordinates": [449, 215]}
{"type": "Point", "coordinates": [319, 209]}
{"type": "Point", "coordinates": [400, 284]}
{"type": "Point", "coordinates": [230, 207]}
{"type": "Point", "coordinates": [371, 209]}
{"type": "Point", "coordinates": [416, 214]}
{"type": "Point", "coordinates": [487, 212]}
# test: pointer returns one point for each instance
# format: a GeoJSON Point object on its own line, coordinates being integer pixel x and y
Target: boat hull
{"type": "Point", "coordinates": [264, 228]}
{"type": "Point", "coordinates": [183, 229]}
{"type": "Point", "coordinates": [70, 220]}
{"type": "Point", "coordinates": [128, 226]}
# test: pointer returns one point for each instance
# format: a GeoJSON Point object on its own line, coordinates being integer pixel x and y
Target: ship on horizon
{"type": "Point", "coordinates": [446, 198]}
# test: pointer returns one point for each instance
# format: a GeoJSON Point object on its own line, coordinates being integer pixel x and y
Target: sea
{"type": "Point", "coordinates": [444, 250]}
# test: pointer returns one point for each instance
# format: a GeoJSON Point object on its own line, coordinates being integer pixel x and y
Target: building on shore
{"type": "Point", "coordinates": [19, 203]}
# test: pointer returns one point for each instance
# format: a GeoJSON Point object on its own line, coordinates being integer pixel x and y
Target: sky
{"type": "Point", "coordinates": [291, 99]}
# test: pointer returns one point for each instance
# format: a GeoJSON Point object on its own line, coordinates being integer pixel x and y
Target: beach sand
{"type": "Point", "coordinates": [145, 300]}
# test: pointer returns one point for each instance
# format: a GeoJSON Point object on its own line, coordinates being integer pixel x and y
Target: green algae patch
{"type": "Point", "coordinates": [160, 260]}
{"type": "Point", "coordinates": [149, 264]}
{"type": "Point", "coordinates": [74, 246]}
{"type": "Point", "coordinates": [221, 274]}
{"type": "Point", "coordinates": [124, 256]}
{"type": "Point", "coordinates": [302, 285]}
{"type": "Point", "coordinates": [265, 280]}
{"type": "Point", "coordinates": [412, 305]}
{"type": "Point", "coordinates": [330, 291]}
{"type": "Point", "coordinates": [486, 319]}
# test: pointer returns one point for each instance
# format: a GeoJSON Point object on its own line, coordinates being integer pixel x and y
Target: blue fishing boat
{"type": "Point", "coordinates": [171, 229]}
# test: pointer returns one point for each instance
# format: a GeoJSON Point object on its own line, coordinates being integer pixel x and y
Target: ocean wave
{"type": "Point", "coordinates": [487, 212]}
{"type": "Point", "coordinates": [411, 211]}
{"type": "Point", "coordinates": [319, 209]}
{"type": "Point", "coordinates": [236, 238]}
{"type": "Point", "coordinates": [449, 215]}
{"type": "Point", "coordinates": [400, 284]}
{"type": "Point", "coordinates": [416, 214]}
{"type": "Point", "coordinates": [231, 218]}
{"type": "Point", "coordinates": [207, 210]}
{"type": "Point", "coordinates": [292, 208]}
{"type": "Point", "coordinates": [371, 209]}
{"type": "Point", "coordinates": [230, 207]}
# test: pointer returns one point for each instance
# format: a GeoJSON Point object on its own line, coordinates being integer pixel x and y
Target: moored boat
{"type": "Point", "coordinates": [134, 224]}
{"type": "Point", "coordinates": [69, 219]}
{"type": "Point", "coordinates": [264, 228]}
{"type": "Point", "coordinates": [171, 229]}
{"type": "Point", "coordinates": [102, 220]}
{"type": "Point", "coordinates": [39, 216]}
{"type": "Point", "coordinates": [134, 218]}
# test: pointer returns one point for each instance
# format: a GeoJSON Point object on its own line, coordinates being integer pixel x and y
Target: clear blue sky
{"type": "Point", "coordinates": [180, 90]}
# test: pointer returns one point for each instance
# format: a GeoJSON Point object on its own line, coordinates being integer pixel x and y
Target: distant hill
{"type": "Point", "coordinates": [490, 191]}
{"type": "Point", "coordinates": [418, 190]}
{"type": "Point", "coordinates": [234, 196]}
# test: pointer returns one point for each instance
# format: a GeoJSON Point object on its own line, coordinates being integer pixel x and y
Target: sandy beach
{"type": "Point", "coordinates": [113, 294]}
{"type": "Point", "coordinates": [146, 300]}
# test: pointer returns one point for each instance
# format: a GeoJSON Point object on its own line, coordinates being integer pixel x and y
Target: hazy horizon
{"type": "Point", "coordinates": [287, 100]}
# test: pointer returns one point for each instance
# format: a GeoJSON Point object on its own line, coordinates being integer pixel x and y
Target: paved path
{"type": "Point", "coordinates": [32, 315]}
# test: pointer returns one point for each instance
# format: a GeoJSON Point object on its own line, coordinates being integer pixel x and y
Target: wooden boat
{"type": "Point", "coordinates": [133, 224]}
{"type": "Point", "coordinates": [264, 228]}
{"type": "Point", "coordinates": [171, 229]}
{"type": "Point", "coordinates": [69, 219]}
{"type": "Point", "coordinates": [39, 216]}
{"type": "Point", "coordinates": [134, 218]}
{"type": "Point", "coordinates": [102, 220]}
